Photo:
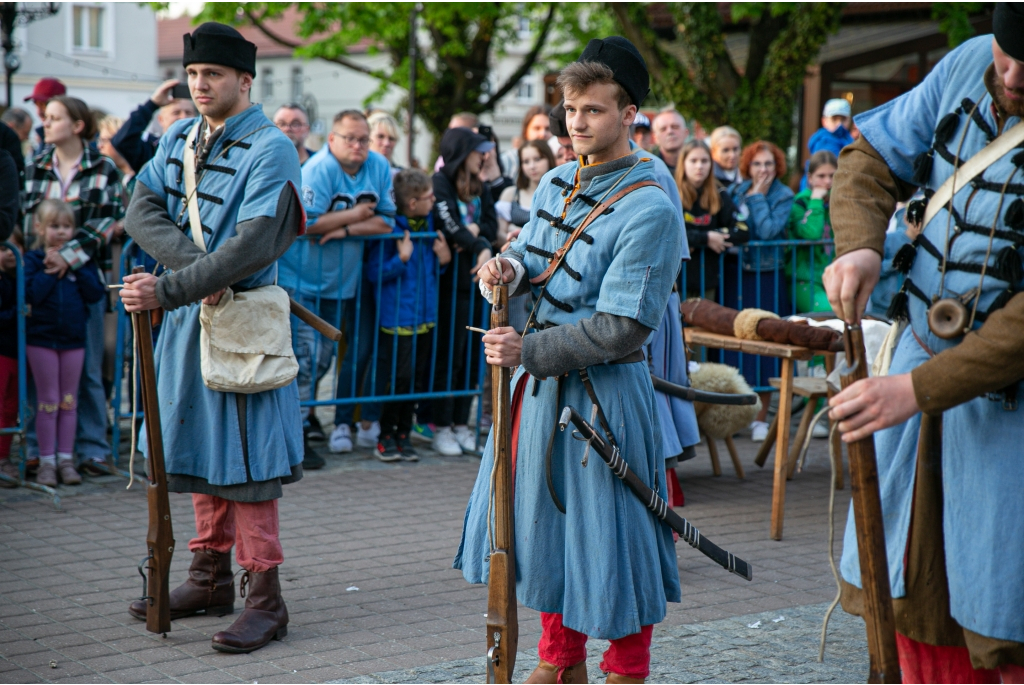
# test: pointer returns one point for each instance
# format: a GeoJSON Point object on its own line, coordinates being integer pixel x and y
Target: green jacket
{"type": "Point", "coordinates": [809, 220]}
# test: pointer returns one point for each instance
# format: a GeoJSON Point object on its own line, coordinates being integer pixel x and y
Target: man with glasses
{"type": "Point", "coordinates": [293, 121]}
{"type": "Point", "coordinates": [347, 192]}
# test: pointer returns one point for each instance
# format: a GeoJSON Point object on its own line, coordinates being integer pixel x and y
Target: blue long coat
{"type": "Point", "coordinates": [200, 426]}
{"type": "Point", "coordinates": [982, 468]}
{"type": "Point", "coordinates": [607, 564]}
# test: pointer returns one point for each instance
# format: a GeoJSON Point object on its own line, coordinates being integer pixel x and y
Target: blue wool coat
{"type": "Point", "coordinates": [200, 426]}
{"type": "Point", "coordinates": [607, 565]}
{"type": "Point", "coordinates": [982, 469]}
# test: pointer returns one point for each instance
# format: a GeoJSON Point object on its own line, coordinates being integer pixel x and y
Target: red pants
{"type": "Point", "coordinates": [563, 647]}
{"type": "Point", "coordinates": [250, 526]}
{"type": "Point", "coordinates": [8, 401]}
{"type": "Point", "coordinates": [924, 663]}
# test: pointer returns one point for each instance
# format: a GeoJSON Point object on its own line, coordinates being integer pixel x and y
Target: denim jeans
{"type": "Point", "coordinates": [356, 370]}
{"type": "Point", "coordinates": [313, 352]}
{"type": "Point", "coordinates": [91, 436]}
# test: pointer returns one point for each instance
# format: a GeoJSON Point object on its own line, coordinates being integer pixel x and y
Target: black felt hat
{"type": "Point", "coordinates": [214, 43]}
{"type": "Point", "coordinates": [1008, 27]}
{"type": "Point", "coordinates": [628, 67]}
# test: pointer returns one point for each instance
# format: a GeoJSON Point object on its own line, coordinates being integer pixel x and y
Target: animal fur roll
{"type": "Point", "coordinates": [719, 421]}
{"type": "Point", "coordinates": [756, 324]}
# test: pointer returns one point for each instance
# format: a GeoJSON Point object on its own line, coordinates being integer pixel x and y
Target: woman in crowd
{"type": "Point", "coordinates": [464, 212]}
{"type": "Point", "coordinates": [384, 137]}
{"type": "Point", "coordinates": [536, 126]}
{"type": "Point", "coordinates": [753, 278]}
{"type": "Point", "coordinates": [710, 219]}
{"type": "Point", "coordinates": [726, 144]}
{"type": "Point", "coordinates": [809, 220]}
{"type": "Point", "coordinates": [68, 169]}
{"type": "Point", "coordinates": [108, 127]}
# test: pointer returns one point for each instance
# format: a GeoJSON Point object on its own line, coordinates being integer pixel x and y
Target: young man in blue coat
{"type": "Point", "coordinates": [232, 451]}
{"type": "Point", "coordinates": [574, 562]}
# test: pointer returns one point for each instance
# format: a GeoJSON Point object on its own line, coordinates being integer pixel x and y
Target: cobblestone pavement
{"type": "Point", "coordinates": [372, 595]}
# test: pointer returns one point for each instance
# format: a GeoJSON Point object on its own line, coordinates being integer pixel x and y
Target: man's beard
{"type": "Point", "coordinates": [1014, 108]}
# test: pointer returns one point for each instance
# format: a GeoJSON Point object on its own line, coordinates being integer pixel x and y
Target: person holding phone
{"type": "Point", "coordinates": [170, 102]}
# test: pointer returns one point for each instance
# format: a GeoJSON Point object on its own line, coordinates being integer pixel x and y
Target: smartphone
{"type": "Point", "coordinates": [181, 92]}
{"type": "Point", "coordinates": [487, 132]}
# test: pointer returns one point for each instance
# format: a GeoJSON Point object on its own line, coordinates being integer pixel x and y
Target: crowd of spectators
{"type": "Point", "coordinates": [403, 301]}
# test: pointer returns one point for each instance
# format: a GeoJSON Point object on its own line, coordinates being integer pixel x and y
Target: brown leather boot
{"type": "Point", "coordinates": [210, 589]}
{"type": "Point", "coordinates": [549, 673]}
{"type": "Point", "coordinates": [623, 679]}
{"type": "Point", "coordinates": [264, 618]}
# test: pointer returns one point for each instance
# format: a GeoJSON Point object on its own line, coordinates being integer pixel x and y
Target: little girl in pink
{"type": "Point", "coordinates": [55, 337]}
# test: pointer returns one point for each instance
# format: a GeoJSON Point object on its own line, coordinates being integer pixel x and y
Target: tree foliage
{"type": "Point", "coordinates": [458, 43]}
{"type": "Point", "coordinates": [955, 19]}
{"type": "Point", "coordinates": [694, 69]}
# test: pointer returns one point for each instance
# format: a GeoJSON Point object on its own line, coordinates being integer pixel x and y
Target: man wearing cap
{"type": "Point", "coordinates": [133, 142]}
{"type": "Point", "coordinates": [947, 422]}
{"type": "Point", "coordinates": [45, 90]}
{"type": "Point", "coordinates": [576, 562]}
{"type": "Point", "coordinates": [834, 133]}
{"type": "Point", "coordinates": [232, 451]}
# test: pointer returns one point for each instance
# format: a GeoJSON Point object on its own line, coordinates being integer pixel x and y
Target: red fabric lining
{"type": "Point", "coordinates": [924, 663]}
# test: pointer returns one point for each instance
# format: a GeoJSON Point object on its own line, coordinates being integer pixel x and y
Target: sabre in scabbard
{"type": "Point", "coordinates": [867, 513]}
{"type": "Point", "coordinates": [159, 535]}
{"type": "Point", "coordinates": [502, 614]}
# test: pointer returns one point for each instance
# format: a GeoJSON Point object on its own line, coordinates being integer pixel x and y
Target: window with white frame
{"type": "Point", "coordinates": [268, 83]}
{"type": "Point", "coordinates": [89, 28]}
{"type": "Point", "coordinates": [524, 89]}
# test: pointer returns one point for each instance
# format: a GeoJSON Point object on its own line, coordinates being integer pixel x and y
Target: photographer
{"type": "Point", "coordinates": [171, 102]}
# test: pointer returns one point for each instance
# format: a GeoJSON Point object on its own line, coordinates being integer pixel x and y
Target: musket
{"type": "Point", "coordinates": [867, 515]}
{"type": "Point", "coordinates": [309, 318]}
{"type": "Point", "coordinates": [159, 536]}
{"type": "Point", "coordinates": [502, 610]}
{"type": "Point", "coordinates": [693, 395]}
{"type": "Point", "coordinates": [687, 533]}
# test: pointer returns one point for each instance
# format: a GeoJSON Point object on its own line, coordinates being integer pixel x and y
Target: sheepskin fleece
{"type": "Point", "coordinates": [716, 420]}
{"type": "Point", "coordinates": [745, 325]}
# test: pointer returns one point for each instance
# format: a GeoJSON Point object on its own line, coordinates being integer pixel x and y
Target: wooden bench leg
{"type": "Point", "coordinates": [716, 467]}
{"type": "Point", "coordinates": [782, 449]}
{"type": "Point", "coordinates": [735, 457]}
{"type": "Point", "coordinates": [769, 442]}
{"type": "Point", "coordinates": [801, 435]}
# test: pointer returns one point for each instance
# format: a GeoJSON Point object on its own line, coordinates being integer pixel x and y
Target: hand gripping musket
{"type": "Point", "coordinates": [159, 536]}
{"type": "Point", "coordinates": [867, 514]}
{"type": "Point", "coordinates": [659, 507]}
{"type": "Point", "coordinates": [502, 613]}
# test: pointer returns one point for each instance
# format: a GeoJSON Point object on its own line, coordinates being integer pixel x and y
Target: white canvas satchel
{"type": "Point", "coordinates": [246, 343]}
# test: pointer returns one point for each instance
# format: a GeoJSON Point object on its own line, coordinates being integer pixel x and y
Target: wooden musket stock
{"type": "Point", "coordinates": [159, 536]}
{"type": "Point", "coordinates": [502, 614]}
{"type": "Point", "coordinates": [867, 513]}
{"type": "Point", "coordinates": [322, 327]}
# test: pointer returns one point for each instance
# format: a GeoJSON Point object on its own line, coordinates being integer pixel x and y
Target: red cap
{"type": "Point", "coordinates": [46, 89]}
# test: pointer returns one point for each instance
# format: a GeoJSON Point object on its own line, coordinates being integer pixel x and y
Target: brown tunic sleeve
{"type": "Point", "coordinates": [863, 199]}
{"type": "Point", "coordinates": [988, 359]}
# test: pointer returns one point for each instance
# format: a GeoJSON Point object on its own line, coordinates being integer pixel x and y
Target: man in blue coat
{"type": "Point", "coordinates": [589, 555]}
{"type": "Point", "coordinates": [232, 451]}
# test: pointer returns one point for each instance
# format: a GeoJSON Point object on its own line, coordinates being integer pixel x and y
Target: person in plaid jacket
{"type": "Point", "coordinates": [68, 169]}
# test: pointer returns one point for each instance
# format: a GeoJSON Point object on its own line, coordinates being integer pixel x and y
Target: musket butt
{"type": "Point", "coordinates": [563, 421]}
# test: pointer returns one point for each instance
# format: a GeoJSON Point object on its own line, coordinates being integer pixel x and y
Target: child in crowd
{"type": "Point", "coordinates": [55, 338]}
{"type": "Point", "coordinates": [809, 220]}
{"type": "Point", "coordinates": [405, 275]}
{"type": "Point", "coordinates": [834, 134]}
{"type": "Point", "coordinates": [8, 357]}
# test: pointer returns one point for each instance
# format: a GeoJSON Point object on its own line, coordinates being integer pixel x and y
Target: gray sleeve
{"type": "Point", "coordinates": [149, 226]}
{"type": "Point", "coordinates": [599, 339]}
{"type": "Point", "coordinates": [259, 243]}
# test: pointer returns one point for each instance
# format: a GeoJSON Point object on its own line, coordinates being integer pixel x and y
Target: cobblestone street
{"type": "Point", "coordinates": [372, 595]}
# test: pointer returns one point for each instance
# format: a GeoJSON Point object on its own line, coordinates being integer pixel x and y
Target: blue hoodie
{"type": "Point", "coordinates": [823, 139]}
{"type": "Point", "coordinates": [408, 292]}
{"type": "Point", "coordinates": [59, 308]}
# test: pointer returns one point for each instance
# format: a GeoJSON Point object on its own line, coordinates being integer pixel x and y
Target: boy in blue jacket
{"type": "Point", "coordinates": [404, 274]}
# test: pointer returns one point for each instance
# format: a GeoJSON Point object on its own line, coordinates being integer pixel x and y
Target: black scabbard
{"type": "Point", "coordinates": [650, 498]}
{"type": "Point", "coordinates": [692, 395]}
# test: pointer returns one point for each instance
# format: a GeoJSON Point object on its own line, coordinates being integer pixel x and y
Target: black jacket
{"type": "Point", "coordinates": [10, 141]}
{"type": "Point", "coordinates": [59, 305]}
{"type": "Point", "coordinates": [698, 223]}
{"type": "Point", "coordinates": [10, 195]}
{"type": "Point", "coordinates": [132, 142]}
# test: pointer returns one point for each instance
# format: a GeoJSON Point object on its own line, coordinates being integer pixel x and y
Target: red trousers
{"type": "Point", "coordinates": [924, 663]}
{"type": "Point", "coordinates": [563, 647]}
{"type": "Point", "coordinates": [250, 526]}
{"type": "Point", "coordinates": [8, 401]}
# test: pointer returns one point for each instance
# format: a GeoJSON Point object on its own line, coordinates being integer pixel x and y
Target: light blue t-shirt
{"type": "Point", "coordinates": [333, 270]}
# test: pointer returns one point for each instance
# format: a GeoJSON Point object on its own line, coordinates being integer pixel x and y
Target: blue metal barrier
{"type": "Point", "coordinates": [24, 411]}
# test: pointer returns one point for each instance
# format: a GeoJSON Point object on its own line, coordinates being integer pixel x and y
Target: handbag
{"type": "Point", "coordinates": [245, 345]}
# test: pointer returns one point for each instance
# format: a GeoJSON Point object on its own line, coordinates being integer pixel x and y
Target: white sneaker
{"type": "Point", "coordinates": [758, 431]}
{"type": "Point", "coordinates": [445, 442]}
{"type": "Point", "coordinates": [341, 439]}
{"type": "Point", "coordinates": [368, 437]}
{"type": "Point", "coordinates": [820, 429]}
{"type": "Point", "coordinates": [466, 438]}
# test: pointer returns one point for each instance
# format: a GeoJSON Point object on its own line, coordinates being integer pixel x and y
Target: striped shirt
{"type": "Point", "coordinates": [94, 194]}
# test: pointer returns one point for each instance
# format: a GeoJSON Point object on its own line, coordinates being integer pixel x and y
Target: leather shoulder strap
{"type": "Point", "coordinates": [595, 212]}
{"type": "Point", "coordinates": [189, 159]}
{"type": "Point", "coordinates": [981, 160]}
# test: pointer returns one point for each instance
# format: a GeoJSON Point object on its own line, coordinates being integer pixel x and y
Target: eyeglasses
{"type": "Point", "coordinates": [292, 124]}
{"type": "Point", "coordinates": [352, 140]}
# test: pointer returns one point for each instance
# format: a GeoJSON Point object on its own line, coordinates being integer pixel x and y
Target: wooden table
{"type": "Point", "coordinates": [788, 354]}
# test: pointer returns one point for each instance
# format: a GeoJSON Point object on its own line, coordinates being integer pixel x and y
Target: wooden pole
{"type": "Point", "coordinates": [867, 514]}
